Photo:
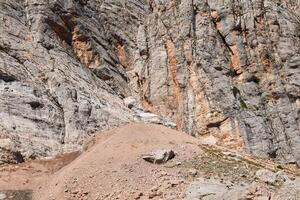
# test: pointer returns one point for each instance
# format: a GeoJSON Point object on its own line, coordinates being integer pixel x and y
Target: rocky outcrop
{"type": "Point", "coordinates": [60, 76]}
{"type": "Point", "coordinates": [50, 99]}
{"type": "Point", "coordinates": [224, 69]}
{"type": "Point", "coordinates": [213, 190]}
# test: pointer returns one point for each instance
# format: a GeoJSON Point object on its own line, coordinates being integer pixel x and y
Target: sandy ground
{"type": "Point", "coordinates": [21, 180]}
{"type": "Point", "coordinates": [110, 168]}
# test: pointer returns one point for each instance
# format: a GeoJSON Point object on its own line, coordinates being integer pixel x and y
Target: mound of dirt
{"type": "Point", "coordinates": [113, 167]}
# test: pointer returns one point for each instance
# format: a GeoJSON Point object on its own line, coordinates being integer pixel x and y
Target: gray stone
{"type": "Point", "coordinates": [266, 176]}
{"type": "Point", "coordinates": [205, 189]}
{"type": "Point", "coordinates": [270, 177]}
{"type": "Point", "coordinates": [289, 190]}
{"type": "Point", "coordinates": [159, 156]}
{"type": "Point", "coordinates": [147, 117]}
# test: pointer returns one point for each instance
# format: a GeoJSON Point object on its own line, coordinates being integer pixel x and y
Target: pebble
{"type": "Point", "coordinates": [193, 172]}
{"type": "Point", "coordinates": [154, 194]}
{"type": "Point", "coordinates": [138, 195]}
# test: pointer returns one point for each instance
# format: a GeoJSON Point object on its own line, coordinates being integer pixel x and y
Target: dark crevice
{"type": "Point", "coordinates": [232, 73]}
{"type": "Point", "coordinates": [223, 38]}
{"type": "Point", "coordinates": [273, 153]}
{"type": "Point", "coordinates": [216, 124]}
{"type": "Point", "coordinates": [17, 57]}
{"type": "Point", "coordinates": [7, 77]}
{"type": "Point", "coordinates": [195, 11]}
{"type": "Point", "coordinates": [35, 105]}
{"type": "Point", "coordinates": [236, 92]}
{"type": "Point", "coordinates": [103, 73]}
{"type": "Point", "coordinates": [15, 157]}
{"type": "Point", "coordinates": [253, 79]}
{"type": "Point", "coordinates": [19, 157]}
{"type": "Point", "coordinates": [61, 31]}
{"type": "Point", "coordinates": [243, 104]}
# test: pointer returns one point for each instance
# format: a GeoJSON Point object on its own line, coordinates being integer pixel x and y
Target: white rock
{"type": "Point", "coordinates": [202, 188]}
{"type": "Point", "coordinates": [266, 176]}
{"type": "Point", "coordinates": [159, 156]}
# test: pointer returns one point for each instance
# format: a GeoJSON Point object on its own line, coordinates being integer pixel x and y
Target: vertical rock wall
{"type": "Point", "coordinates": [227, 71]}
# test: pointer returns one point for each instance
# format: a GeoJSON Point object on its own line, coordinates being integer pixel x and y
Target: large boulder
{"type": "Point", "coordinates": [159, 156]}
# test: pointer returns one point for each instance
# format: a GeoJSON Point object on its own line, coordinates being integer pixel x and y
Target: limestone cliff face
{"type": "Point", "coordinates": [227, 70]}
{"type": "Point", "coordinates": [56, 69]}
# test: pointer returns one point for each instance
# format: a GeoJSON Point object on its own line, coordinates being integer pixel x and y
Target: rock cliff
{"type": "Point", "coordinates": [228, 70]}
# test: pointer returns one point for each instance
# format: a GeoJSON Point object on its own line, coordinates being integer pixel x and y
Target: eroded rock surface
{"type": "Point", "coordinates": [229, 69]}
